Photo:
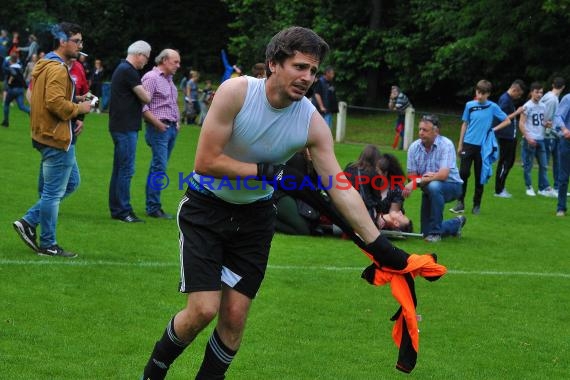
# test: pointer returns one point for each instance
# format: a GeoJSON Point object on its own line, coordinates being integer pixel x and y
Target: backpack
{"type": "Point", "coordinates": [15, 76]}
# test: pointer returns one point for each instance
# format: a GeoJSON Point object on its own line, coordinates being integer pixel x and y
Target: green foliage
{"type": "Point", "coordinates": [435, 51]}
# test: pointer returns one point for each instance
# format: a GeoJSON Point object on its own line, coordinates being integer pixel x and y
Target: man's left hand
{"type": "Point", "coordinates": [78, 127]}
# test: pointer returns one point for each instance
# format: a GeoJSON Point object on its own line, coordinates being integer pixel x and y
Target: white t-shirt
{"type": "Point", "coordinates": [535, 113]}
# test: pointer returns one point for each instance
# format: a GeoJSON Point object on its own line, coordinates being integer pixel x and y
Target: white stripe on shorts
{"type": "Point", "coordinates": [229, 277]}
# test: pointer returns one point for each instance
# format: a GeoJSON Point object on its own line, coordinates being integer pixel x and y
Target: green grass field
{"type": "Point", "coordinates": [502, 311]}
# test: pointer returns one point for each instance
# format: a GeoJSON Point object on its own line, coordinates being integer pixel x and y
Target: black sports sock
{"type": "Point", "coordinates": [166, 350]}
{"type": "Point", "coordinates": [217, 359]}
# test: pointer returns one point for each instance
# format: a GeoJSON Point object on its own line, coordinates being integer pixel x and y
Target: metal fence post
{"type": "Point", "coordinates": [409, 126]}
{"type": "Point", "coordinates": [341, 121]}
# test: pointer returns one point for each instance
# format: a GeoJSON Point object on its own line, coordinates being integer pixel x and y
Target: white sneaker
{"type": "Point", "coordinates": [548, 192]}
{"type": "Point", "coordinates": [504, 194]}
{"type": "Point", "coordinates": [530, 192]}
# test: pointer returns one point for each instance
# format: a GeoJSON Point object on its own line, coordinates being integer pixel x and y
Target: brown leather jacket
{"type": "Point", "coordinates": [51, 104]}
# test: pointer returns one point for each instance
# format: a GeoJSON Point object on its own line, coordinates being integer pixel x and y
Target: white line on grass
{"type": "Point", "coordinates": [156, 264]}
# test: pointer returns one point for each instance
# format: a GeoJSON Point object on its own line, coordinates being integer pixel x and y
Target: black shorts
{"type": "Point", "coordinates": [221, 242]}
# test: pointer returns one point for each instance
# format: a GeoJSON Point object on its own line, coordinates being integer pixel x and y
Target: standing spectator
{"type": "Point", "coordinates": [551, 101]}
{"type": "Point", "coordinates": [432, 167]}
{"type": "Point", "coordinates": [31, 49]}
{"type": "Point", "coordinates": [53, 134]}
{"type": "Point", "coordinates": [561, 125]}
{"type": "Point", "coordinates": [324, 97]}
{"type": "Point", "coordinates": [77, 73]}
{"type": "Point", "coordinates": [477, 122]}
{"type": "Point", "coordinates": [82, 58]}
{"type": "Point", "coordinates": [206, 97]}
{"type": "Point", "coordinates": [258, 70]}
{"type": "Point", "coordinates": [30, 68]}
{"type": "Point", "coordinates": [125, 118]}
{"type": "Point", "coordinates": [161, 116]}
{"type": "Point", "coordinates": [229, 69]}
{"type": "Point", "coordinates": [96, 82]}
{"type": "Point", "coordinates": [532, 127]}
{"type": "Point", "coordinates": [192, 97]}
{"type": "Point", "coordinates": [13, 49]}
{"type": "Point", "coordinates": [3, 44]}
{"type": "Point", "coordinates": [253, 127]}
{"type": "Point", "coordinates": [15, 91]}
{"type": "Point", "coordinates": [399, 102]}
{"type": "Point", "coordinates": [507, 137]}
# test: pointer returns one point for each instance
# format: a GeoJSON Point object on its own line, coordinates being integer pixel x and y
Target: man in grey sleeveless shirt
{"type": "Point", "coordinates": [227, 218]}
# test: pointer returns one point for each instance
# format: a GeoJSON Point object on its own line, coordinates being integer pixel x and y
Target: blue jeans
{"type": "Point", "coordinates": [18, 94]}
{"type": "Point", "coordinates": [564, 172]}
{"type": "Point", "coordinates": [434, 197]}
{"type": "Point", "coordinates": [328, 118]}
{"type": "Point", "coordinates": [123, 171]}
{"type": "Point", "coordinates": [530, 152]}
{"type": "Point", "coordinates": [551, 146]}
{"type": "Point", "coordinates": [161, 144]}
{"type": "Point", "coordinates": [58, 178]}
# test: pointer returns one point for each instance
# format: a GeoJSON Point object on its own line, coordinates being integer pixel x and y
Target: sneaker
{"type": "Point", "coordinates": [458, 209]}
{"type": "Point", "coordinates": [27, 233]}
{"type": "Point", "coordinates": [129, 218]}
{"type": "Point", "coordinates": [476, 210]}
{"type": "Point", "coordinates": [5, 124]}
{"type": "Point", "coordinates": [160, 214]}
{"type": "Point", "coordinates": [530, 191]}
{"type": "Point", "coordinates": [548, 192]}
{"type": "Point", "coordinates": [462, 220]}
{"type": "Point", "coordinates": [56, 250]}
{"type": "Point", "coordinates": [560, 213]}
{"type": "Point", "coordinates": [433, 238]}
{"type": "Point", "coordinates": [504, 194]}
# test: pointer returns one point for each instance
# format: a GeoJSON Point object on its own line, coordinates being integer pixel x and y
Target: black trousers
{"type": "Point", "coordinates": [507, 154]}
{"type": "Point", "coordinates": [471, 155]}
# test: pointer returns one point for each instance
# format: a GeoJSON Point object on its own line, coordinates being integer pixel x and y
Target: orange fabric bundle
{"type": "Point", "coordinates": [405, 332]}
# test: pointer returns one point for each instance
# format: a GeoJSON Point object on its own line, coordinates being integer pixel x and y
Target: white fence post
{"type": "Point", "coordinates": [341, 121]}
{"type": "Point", "coordinates": [409, 126]}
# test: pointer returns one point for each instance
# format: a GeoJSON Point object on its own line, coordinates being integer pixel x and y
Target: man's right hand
{"type": "Point", "coordinates": [85, 107]}
{"type": "Point", "coordinates": [269, 171]}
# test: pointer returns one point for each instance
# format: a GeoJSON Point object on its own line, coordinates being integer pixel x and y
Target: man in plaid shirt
{"type": "Point", "coordinates": [431, 162]}
{"type": "Point", "coordinates": [161, 117]}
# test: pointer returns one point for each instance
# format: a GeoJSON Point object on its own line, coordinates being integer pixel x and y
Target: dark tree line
{"type": "Point", "coordinates": [436, 51]}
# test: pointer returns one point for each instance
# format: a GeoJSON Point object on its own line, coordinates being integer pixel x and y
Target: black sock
{"type": "Point", "coordinates": [166, 350]}
{"type": "Point", "coordinates": [217, 359]}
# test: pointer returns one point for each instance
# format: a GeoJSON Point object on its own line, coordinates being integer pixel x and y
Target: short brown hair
{"type": "Point", "coordinates": [484, 86]}
{"type": "Point", "coordinates": [291, 40]}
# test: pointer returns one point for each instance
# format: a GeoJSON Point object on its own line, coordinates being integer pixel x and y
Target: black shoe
{"type": "Point", "coordinates": [160, 214]}
{"type": "Point", "coordinates": [56, 250]}
{"type": "Point", "coordinates": [129, 218]}
{"type": "Point", "coordinates": [5, 124]}
{"type": "Point", "coordinates": [476, 210]}
{"type": "Point", "coordinates": [27, 233]}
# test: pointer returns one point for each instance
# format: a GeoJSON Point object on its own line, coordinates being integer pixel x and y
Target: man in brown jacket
{"type": "Point", "coordinates": [54, 128]}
